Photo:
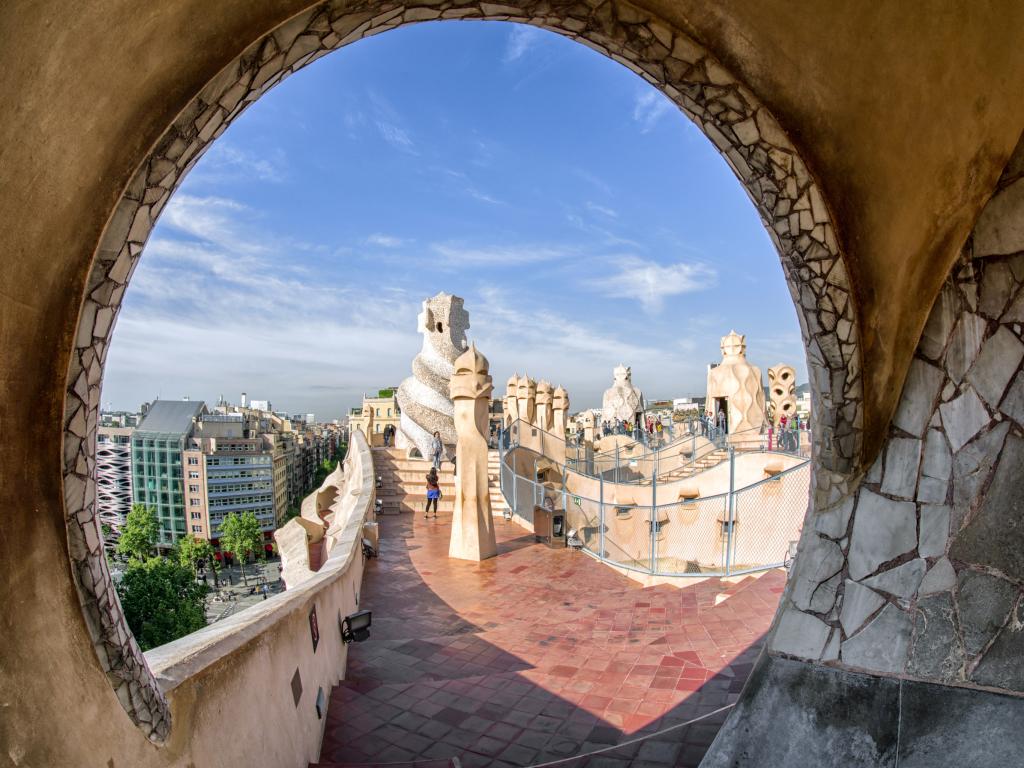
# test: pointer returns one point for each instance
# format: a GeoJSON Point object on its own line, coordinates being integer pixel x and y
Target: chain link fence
{"type": "Point", "coordinates": [743, 530]}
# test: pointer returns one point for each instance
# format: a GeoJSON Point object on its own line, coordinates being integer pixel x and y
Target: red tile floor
{"type": "Point", "coordinates": [536, 655]}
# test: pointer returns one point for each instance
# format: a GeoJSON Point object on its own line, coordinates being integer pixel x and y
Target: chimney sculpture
{"type": "Point", "coordinates": [472, 522]}
{"type": "Point", "coordinates": [423, 397]}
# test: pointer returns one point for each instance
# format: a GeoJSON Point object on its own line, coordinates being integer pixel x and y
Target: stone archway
{"type": "Point", "coordinates": [767, 164]}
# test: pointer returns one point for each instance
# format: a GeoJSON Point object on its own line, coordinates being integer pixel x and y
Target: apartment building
{"type": "Point", "coordinates": [376, 413]}
{"type": "Point", "coordinates": [113, 478]}
{"type": "Point", "coordinates": [159, 465]}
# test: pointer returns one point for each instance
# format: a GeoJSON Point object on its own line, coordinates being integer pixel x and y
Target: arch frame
{"type": "Point", "coordinates": [767, 164]}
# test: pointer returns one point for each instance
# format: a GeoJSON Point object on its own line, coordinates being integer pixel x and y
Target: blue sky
{"type": "Point", "coordinates": [584, 220]}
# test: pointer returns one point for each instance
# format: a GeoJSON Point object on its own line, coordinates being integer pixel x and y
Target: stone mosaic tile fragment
{"type": "Point", "coordinates": [963, 418]}
{"type": "Point", "coordinates": [859, 603]}
{"type": "Point", "coordinates": [997, 362]}
{"type": "Point", "coordinates": [883, 530]}
{"type": "Point", "coordinates": [934, 532]}
{"type": "Point", "coordinates": [972, 467]}
{"type": "Point", "coordinates": [1000, 228]}
{"type": "Point", "coordinates": [995, 536]}
{"type": "Point", "coordinates": [1001, 665]}
{"type": "Point", "coordinates": [902, 459]}
{"type": "Point", "coordinates": [940, 578]}
{"type": "Point", "coordinates": [984, 603]}
{"type": "Point", "coordinates": [800, 634]}
{"type": "Point", "coordinates": [820, 559]}
{"type": "Point", "coordinates": [964, 345]}
{"type": "Point", "coordinates": [917, 402]}
{"type": "Point", "coordinates": [901, 581]}
{"type": "Point", "coordinates": [1013, 403]}
{"type": "Point", "coordinates": [882, 645]}
{"type": "Point", "coordinates": [936, 651]}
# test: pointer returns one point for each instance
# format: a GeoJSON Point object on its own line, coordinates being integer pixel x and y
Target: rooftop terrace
{"type": "Point", "coordinates": [537, 655]}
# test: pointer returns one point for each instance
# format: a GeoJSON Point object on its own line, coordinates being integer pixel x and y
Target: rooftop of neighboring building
{"type": "Point", "coordinates": [171, 416]}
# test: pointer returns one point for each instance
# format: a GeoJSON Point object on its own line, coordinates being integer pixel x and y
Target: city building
{"type": "Point", "coordinates": [119, 419]}
{"type": "Point", "coordinates": [230, 468]}
{"type": "Point", "coordinates": [685, 408]}
{"type": "Point", "coordinates": [158, 468]}
{"type": "Point", "coordinates": [377, 412]}
{"type": "Point", "coordinates": [113, 478]}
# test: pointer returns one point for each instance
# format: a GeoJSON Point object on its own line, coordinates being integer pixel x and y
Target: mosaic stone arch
{"type": "Point", "coordinates": [753, 144]}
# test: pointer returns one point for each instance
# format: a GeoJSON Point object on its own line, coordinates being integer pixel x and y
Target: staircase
{"type": "Point", "coordinates": [402, 482]}
{"type": "Point", "coordinates": [498, 504]}
{"type": "Point", "coordinates": [708, 460]}
{"type": "Point", "coordinates": [403, 486]}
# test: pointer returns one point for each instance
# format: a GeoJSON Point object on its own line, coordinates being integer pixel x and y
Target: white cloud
{"type": "Point", "coordinates": [396, 136]}
{"type": "Point", "coordinates": [649, 282]}
{"type": "Point", "coordinates": [219, 306]}
{"type": "Point", "coordinates": [224, 162]}
{"type": "Point", "coordinates": [498, 255]}
{"type": "Point", "coordinates": [520, 39]}
{"type": "Point", "coordinates": [520, 336]}
{"type": "Point", "coordinates": [602, 209]}
{"type": "Point", "coordinates": [385, 241]}
{"type": "Point", "coordinates": [483, 197]}
{"type": "Point", "coordinates": [594, 181]}
{"type": "Point", "coordinates": [649, 108]}
{"type": "Point", "coordinates": [389, 124]}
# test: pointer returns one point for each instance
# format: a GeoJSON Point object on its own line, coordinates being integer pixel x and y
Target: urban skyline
{"type": "Point", "coordinates": [282, 241]}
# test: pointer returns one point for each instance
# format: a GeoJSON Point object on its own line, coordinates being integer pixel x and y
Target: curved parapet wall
{"type": "Point", "coordinates": [307, 541]}
{"type": "Point", "coordinates": [423, 397]}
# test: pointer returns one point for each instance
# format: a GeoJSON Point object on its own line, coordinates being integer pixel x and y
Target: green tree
{"type": "Point", "coordinates": [240, 535]}
{"type": "Point", "coordinates": [139, 533]}
{"type": "Point", "coordinates": [326, 467]}
{"type": "Point", "coordinates": [193, 551]}
{"type": "Point", "coordinates": [161, 601]}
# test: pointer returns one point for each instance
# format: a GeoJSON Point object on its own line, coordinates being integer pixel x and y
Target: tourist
{"type": "Point", "coordinates": [433, 492]}
{"type": "Point", "coordinates": [721, 419]}
{"type": "Point", "coordinates": [436, 450]}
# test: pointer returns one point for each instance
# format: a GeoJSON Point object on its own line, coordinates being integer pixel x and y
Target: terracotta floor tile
{"type": "Point", "coordinates": [509, 662]}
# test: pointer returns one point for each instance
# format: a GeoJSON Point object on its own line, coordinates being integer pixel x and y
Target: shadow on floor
{"type": "Point", "coordinates": [535, 656]}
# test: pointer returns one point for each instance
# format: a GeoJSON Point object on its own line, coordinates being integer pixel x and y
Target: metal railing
{"type": "Point", "coordinates": [639, 464]}
{"type": "Point", "coordinates": [742, 530]}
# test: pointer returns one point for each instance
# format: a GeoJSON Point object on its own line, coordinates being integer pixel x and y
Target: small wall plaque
{"type": "Point", "coordinates": [296, 686]}
{"type": "Point", "coordinates": [314, 629]}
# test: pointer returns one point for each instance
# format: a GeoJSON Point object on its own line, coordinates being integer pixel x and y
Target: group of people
{"type": "Point", "coordinates": [788, 437]}
{"type": "Point", "coordinates": [651, 426]}
{"type": "Point", "coordinates": [389, 435]}
{"type": "Point", "coordinates": [713, 425]}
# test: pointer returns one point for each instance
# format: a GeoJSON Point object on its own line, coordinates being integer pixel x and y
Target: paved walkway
{"type": "Point", "coordinates": [536, 655]}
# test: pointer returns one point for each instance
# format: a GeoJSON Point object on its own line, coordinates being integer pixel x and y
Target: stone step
{"type": "Point", "coordinates": [414, 497]}
{"type": "Point", "coordinates": [412, 478]}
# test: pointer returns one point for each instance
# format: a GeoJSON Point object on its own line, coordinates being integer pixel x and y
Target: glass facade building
{"type": "Point", "coordinates": [157, 471]}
